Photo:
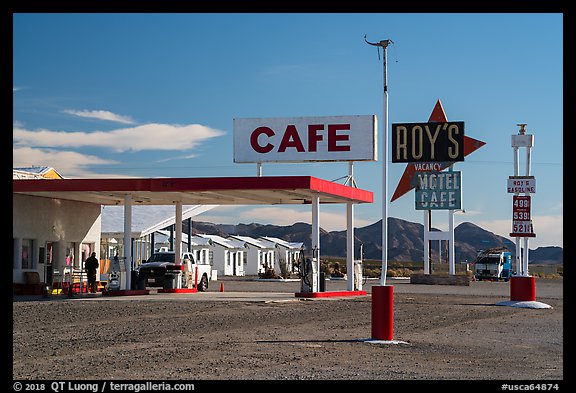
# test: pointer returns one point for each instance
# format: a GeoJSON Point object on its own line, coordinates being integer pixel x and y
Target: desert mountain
{"type": "Point", "coordinates": [405, 240]}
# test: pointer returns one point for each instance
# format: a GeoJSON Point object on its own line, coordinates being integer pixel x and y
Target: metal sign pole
{"type": "Point", "coordinates": [385, 172]}
{"type": "Point", "coordinates": [383, 296]}
{"type": "Point", "coordinates": [384, 44]}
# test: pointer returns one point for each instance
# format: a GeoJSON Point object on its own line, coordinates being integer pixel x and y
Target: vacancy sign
{"type": "Point", "coordinates": [300, 139]}
{"type": "Point", "coordinates": [521, 218]}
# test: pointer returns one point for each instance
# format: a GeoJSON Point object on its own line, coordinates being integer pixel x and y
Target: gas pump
{"type": "Point", "coordinates": [358, 275]}
{"type": "Point", "coordinates": [188, 275]}
{"type": "Point", "coordinates": [358, 270]}
{"type": "Point", "coordinates": [116, 275]}
{"type": "Point", "coordinates": [309, 274]}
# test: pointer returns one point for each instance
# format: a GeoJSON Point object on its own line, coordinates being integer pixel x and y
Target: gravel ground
{"type": "Point", "coordinates": [449, 333]}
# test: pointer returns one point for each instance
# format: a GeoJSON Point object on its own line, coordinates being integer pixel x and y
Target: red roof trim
{"type": "Point", "coordinates": [195, 185]}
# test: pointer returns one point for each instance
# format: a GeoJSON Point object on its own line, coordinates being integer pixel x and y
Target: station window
{"type": "Point", "coordinates": [26, 254]}
{"type": "Point", "coordinates": [70, 254]}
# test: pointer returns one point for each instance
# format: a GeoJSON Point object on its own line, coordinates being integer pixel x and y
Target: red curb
{"type": "Point", "coordinates": [329, 294]}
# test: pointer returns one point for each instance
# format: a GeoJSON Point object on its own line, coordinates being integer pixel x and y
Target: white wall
{"type": "Point", "coordinates": [218, 261]}
{"type": "Point", "coordinates": [253, 265]}
{"type": "Point", "coordinates": [223, 259]}
{"type": "Point", "coordinates": [52, 220]}
{"type": "Point", "coordinates": [256, 258]}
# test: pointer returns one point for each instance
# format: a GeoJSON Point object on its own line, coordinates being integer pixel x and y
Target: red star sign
{"type": "Point", "coordinates": [470, 144]}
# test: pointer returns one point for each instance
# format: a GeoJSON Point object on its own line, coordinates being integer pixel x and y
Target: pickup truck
{"type": "Point", "coordinates": [160, 270]}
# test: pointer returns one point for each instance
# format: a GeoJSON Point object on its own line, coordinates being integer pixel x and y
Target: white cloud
{"type": "Point", "coordinates": [548, 229]}
{"type": "Point", "coordinates": [184, 157]}
{"type": "Point", "coordinates": [144, 137]}
{"type": "Point", "coordinates": [14, 89]}
{"type": "Point", "coordinates": [101, 115]}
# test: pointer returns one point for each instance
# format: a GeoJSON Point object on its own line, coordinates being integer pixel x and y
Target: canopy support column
{"type": "Point", "coordinates": [128, 239]}
{"type": "Point", "coordinates": [316, 236]}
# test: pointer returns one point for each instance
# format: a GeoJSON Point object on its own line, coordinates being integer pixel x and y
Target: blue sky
{"type": "Point", "coordinates": [155, 95]}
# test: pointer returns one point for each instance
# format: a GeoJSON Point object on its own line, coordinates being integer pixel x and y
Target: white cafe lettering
{"type": "Point", "coordinates": [438, 199]}
{"type": "Point", "coordinates": [439, 181]}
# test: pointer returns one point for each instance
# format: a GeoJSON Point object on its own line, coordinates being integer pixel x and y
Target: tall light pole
{"type": "Point", "coordinates": [384, 44]}
{"type": "Point", "coordinates": [383, 295]}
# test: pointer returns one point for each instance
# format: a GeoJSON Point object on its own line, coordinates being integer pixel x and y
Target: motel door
{"type": "Point", "coordinates": [238, 262]}
{"type": "Point", "coordinates": [237, 266]}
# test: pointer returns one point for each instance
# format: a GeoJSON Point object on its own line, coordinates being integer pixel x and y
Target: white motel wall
{"type": "Point", "coordinates": [46, 230]}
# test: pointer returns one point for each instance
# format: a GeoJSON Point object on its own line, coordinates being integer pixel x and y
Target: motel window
{"type": "Point", "coordinates": [26, 254]}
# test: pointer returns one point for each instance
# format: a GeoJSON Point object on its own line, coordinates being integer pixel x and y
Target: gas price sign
{"type": "Point", "coordinates": [521, 219]}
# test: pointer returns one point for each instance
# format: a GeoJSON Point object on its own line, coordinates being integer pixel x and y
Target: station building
{"type": "Point", "coordinates": [51, 237]}
{"type": "Point", "coordinates": [57, 222]}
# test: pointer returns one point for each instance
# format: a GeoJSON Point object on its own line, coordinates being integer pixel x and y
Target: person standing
{"type": "Point", "coordinates": [91, 264]}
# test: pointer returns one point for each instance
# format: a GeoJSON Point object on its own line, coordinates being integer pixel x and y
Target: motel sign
{"type": "Point", "coordinates": [438, 190]}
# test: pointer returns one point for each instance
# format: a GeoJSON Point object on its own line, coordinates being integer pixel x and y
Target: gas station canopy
{"type": "Point", "coordinates": [268, 190]}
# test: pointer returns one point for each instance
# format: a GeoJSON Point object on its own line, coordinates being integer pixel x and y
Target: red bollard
{"type": "Point", "coordinates": [383, 312]}
{"type": "Point", "coordinates": [523, 289]}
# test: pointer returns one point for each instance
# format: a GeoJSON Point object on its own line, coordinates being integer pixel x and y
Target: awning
{"type": "Point", "coordinates": [266, 190]}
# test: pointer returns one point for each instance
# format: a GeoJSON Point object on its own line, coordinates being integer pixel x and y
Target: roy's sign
{"type": "Point", "coordinates": [438, 190]}
{"type": "Point", "coordinates": [428, 142]}
{"type": "Point", "coordinates": [298, 139]}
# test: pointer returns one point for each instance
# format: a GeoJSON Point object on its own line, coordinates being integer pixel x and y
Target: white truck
{"type": "Point", "coordinates": [160, 270]}
{"type": "Point", "coordinates": [493, 264]}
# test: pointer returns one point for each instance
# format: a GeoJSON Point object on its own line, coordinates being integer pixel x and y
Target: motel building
{"type": "Point", "coordinates": [260, 253]}
{"type": "Point", "coordinates": [199, 247]}
{"type": "Point", "coordinates": [286, 254]}
{"type": "Point", "coordinates": [227, 255]}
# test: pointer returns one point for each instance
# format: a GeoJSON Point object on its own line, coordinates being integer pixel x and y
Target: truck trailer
{"type": "Point", "coordinates": [493, 264]}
